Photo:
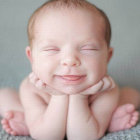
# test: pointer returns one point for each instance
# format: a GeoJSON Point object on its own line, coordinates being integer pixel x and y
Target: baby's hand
{"type": "Point", "coordinates": [105, 84]}
{"type": "Point", "coordinates": [36, 81]}
{"type": "Point", "coordinates": [43, 86]}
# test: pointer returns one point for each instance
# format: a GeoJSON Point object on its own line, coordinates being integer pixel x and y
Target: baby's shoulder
{"type": "Point", "coordinates": [27, 88]}
{"type": "Point", "coordinates": [26, 85]}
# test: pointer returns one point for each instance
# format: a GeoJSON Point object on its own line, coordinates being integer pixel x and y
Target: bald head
{"type": "Point", "coordinates": [62, 5]}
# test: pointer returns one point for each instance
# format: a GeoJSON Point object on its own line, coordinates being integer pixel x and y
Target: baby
{"type": "Point", "coordinates": [69, 92]}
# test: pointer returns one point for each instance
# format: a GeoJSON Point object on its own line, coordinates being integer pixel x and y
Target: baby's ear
{"type": "Point", "coordinates": [110, 53]}
{"type": "Point", "coordinates": [29, 53]}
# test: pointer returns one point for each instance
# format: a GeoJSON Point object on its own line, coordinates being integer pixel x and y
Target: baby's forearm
{"type": "Point", "coordinates": [52, 124]}
{"type": "Point", "coordinates": [81, 124]}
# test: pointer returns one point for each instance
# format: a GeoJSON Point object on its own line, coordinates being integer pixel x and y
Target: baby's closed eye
{"type": "Point", "coordinates": [51, 50]}
{"type": "Point", "coordinates": [90, 47]}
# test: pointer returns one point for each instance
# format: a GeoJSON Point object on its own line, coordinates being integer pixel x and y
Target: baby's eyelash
{"type": "Point", "coordinates": [90, 49]}
{"type": "Point", "coordinates": [51, 50]}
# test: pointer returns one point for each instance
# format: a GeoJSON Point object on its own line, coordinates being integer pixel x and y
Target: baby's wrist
{"type": "Point", "coordinates": [59, 97]}
{"type": "Point", "coordinates": [78, 96]}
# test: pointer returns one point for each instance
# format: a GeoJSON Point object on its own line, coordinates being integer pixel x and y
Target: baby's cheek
{"type": "Point", "coordinates": [38, 70]}
{"type": "Point", "coordinates": [102, 69]}
{"type": "Point", "coordinates": [97, 71]}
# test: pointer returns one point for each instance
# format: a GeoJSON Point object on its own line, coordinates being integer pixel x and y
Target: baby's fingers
{"type": "Point", "coordinates": [33, 78]}
{"type": "Point", "coordinates": [113, 83]}
{"type": "Point", "coordinates": [39, 84]}
{"type": "Point", "coordinates": [94, 89]}
{"type": "Point", "coordinates": [31, 75]}
{"type": "Point", "coordinates": [36, 81]}
{"type": "Point", "coordinates": [108, 83]}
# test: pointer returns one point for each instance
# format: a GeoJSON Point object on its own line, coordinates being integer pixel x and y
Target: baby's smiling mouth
{"type": "Point", "coordinates": [71, 79]}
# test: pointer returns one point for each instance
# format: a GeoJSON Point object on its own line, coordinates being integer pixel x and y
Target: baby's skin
{"type": "Point", "coordinates": [69, 50]}
{"type": "Point", "coordinates": [124, 116]}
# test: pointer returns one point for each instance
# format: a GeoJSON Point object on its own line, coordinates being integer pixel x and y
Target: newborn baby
{"type": "Point", "coordinates": [69, 92]}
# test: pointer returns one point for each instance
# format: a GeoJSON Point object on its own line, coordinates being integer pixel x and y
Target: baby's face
{"type": "Point", "coordinates": [69, 50]}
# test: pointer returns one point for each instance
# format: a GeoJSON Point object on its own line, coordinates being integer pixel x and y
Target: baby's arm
{"type": "Point", "coordinates": [102, 109]}
{"type": "Point", "coordinates": [41, 118]}
{"type": "Point", "coordinates": [90, 122]}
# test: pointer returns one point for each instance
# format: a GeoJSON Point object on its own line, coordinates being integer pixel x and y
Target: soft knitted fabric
{"type": "Point", "coordinates": [131, 134]}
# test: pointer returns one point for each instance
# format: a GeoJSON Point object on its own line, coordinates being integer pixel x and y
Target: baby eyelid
{"type": "Point", "coordinates": [89, 47]}
{"type": "Point", "coordinates": [51, 49]}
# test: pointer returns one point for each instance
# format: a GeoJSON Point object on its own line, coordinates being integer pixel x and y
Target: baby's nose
{"type": "Point", "coordinates": [70, 60]}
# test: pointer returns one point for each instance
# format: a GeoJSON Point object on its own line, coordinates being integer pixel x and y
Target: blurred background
{"type": "Point", "coordinates": [124, 16]}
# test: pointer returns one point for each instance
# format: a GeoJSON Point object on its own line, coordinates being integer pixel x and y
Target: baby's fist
{"type": "Point", "coordinates": [106, 83]}
{"type": "Point", "coordinates": [43, 86]}
{"type": "Point", "coordinates": [36, 81]}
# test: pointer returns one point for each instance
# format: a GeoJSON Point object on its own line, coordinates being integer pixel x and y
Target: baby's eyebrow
{"type": "Point", "coordinates": [50, 41]}
{"type": "Point", "coordinates": [47, 42]}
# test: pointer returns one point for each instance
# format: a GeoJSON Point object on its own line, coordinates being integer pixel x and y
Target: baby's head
{"type": "Point", "coordinates": [62, 5]}
{"type": "Point", "coordinates": [69, 44]}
